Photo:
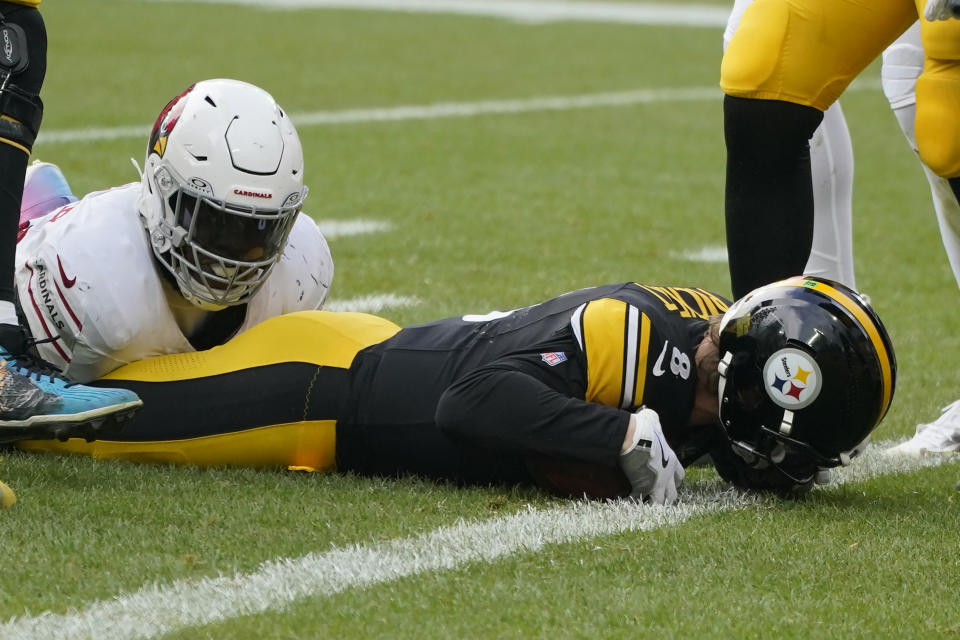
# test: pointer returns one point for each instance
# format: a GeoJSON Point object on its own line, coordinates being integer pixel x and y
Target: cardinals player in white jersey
{"type": "Point", "coordinates": [209, 243]}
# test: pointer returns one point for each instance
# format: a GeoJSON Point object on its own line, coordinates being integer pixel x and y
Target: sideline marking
{"type": "Point", "coordinates": [344, 228]}
{"type": "Point", "coordinates": [156, 610]}
{"type": "Point", "coordinates": [444, 110]}
{"type": "Point", "coordinates": [427, 111]}
{"type": "Point", "coordinates": [704, 254]}
{"type": "Point", "coordinates": [526, 11]}
{"type": "Point", "coordinates": [373, 303]}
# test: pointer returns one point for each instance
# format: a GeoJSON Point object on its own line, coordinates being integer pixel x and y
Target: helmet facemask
{"type": "Point", "coordinates": [794, 459]}
{"type": "Point", "coordinates": [759, 446]}
{"type": "Point", "coordinates": [220, 253]}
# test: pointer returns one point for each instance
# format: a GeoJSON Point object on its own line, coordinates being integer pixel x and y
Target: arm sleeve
{"type": "Point", "coordinates": [509, 406]}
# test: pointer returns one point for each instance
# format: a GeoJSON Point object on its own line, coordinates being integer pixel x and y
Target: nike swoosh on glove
{"type": "Point", "coordinates": [650, 464]}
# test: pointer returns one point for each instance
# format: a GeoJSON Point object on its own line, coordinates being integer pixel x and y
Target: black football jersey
{"type": "Point", "coordinates": [470, 398]}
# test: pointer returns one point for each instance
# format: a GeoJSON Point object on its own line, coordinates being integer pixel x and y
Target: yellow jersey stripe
{"type": "Point", "coordinates": [868, 324]}
{"type": "Point", "coordinates": [616, 340]}
{"type": "Point", "coordinates": [604, 323]}
{"type": "Point", "coordinates": [644, 348]}
{"type": "Point", "coordinates": [323, 338]}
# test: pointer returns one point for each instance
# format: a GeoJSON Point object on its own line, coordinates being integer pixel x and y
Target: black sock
{"type": "Point", "coordinates": [13, 339]}
{"type": "Point", "coordinates": [13, 167]}
{"type": "Point", "coordinates": [13, 161]}
{"type": "Point", "coordinates": [769, 193]}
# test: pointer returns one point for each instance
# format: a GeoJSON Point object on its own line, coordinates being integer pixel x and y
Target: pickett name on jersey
{"type": "Point", "coordinates": [689, 303]}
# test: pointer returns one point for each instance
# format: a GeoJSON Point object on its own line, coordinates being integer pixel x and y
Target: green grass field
{"type": "Point", "coordinates": [490, 211]}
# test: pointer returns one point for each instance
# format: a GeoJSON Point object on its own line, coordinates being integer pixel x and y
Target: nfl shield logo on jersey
{"type": "Point", "coordinates": [554, 357]}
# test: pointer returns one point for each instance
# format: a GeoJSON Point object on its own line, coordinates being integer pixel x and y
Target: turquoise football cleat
{"type": "Point", "coordinates": [36, 402]}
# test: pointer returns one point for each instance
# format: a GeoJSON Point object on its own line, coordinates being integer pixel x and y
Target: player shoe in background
{"type": "Point", "coordinates": [940, 436]}
{"type": "Point", "coordinates": [45, 188]}
{"type": "Point", "coordinates": [36, 402]}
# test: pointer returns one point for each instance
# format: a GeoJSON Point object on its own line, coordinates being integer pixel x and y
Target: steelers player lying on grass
{"type": "Point", "coordinates": [604, 392]}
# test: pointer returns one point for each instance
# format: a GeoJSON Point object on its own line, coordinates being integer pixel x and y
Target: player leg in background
{"type": "Point", "coordinates": [44, 189]}
{"type": "Point", "coordinates": [34, 400]}
{"type": "Point", "coordinates": [769, 190]}
{"type": "Point", "coordinates": [902, 65]}
{"type": "Point", "coordinates": [831, 159]}
{"type": "Point", "coordinates": [775, 98]}
{"type": "Point", "coordinates": [757, 159]}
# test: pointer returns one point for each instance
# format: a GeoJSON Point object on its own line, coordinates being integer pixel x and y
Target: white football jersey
{"type": "Point", "coordinates": [88, 281]}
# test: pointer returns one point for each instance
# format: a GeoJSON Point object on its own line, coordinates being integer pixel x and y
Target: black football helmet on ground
{"type": "Point", "coordinates": [807, 370]}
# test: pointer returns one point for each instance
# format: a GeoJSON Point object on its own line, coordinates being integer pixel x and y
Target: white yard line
{"type": "Point", "coordinates": [342, 228]}
{"type": "Point", "coordinates": [373, 303]}
{"type": "Point", "coordinates": [425, 111]}
{"type": "Point", "coordinates": [704, 254]}
{"type": "Point", "coordinates": [527, 11]}
{"type": "Point", "coordinates": [93, 134]}
{"type": "Point", "coordinates": [157, 609]}
{"type": "Point", "coordinates": [875, 462]}
{"type": "Point", "coordinates": [442, 110]}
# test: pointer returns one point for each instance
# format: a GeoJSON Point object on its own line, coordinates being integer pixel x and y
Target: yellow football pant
{"type": "Point", "coordinates": [322, 338]}
{"type": "Point", "coordinates": [808, 51]}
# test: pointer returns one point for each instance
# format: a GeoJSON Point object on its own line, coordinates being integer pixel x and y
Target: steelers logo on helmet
{"type": "Point", "coordinates": [793, 378]}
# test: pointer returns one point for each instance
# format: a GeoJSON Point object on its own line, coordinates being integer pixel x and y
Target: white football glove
{"type": "Point", "coordinates": [650, 464]}
{"type": "Point", "coordinates": [941, 10]}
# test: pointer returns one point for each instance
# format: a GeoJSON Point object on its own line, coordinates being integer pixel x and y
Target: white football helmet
{"type": "Point", "coordinates": [222, 185]}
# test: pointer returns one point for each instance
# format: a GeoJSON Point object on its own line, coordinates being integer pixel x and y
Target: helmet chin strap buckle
{"type": "Point", "coordinates": [722, 367]}
{"type": "Point", "coordinates": [786, 425]}
{"type": "Point", "coordinates": [172, 235]}
{"type": "Point", "coordinates": [724, 364]}
{"type": "Point", "coordinates": [177, 234]}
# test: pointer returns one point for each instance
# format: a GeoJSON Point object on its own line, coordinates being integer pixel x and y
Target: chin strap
{"type": "Point", "coordinates": [722, 367]}
{"type": "Point", "coordinates": [786, 424]}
